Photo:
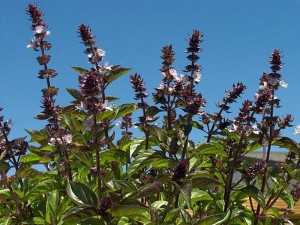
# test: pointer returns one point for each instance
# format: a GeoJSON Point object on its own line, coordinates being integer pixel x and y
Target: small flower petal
{"type": "Point", "coordinates": [283, 84]}
{"type": "Point", "coordinates": [297, 129]}
{"type": "Point", "coordinates": [39, 29]}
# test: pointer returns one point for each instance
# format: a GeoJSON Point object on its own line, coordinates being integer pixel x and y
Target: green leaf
{"type": "Point", "coordinates": [144, 159]}
{"type": "Point", "coordinates": [288, 199]}
{"type": "Point", "coordinates": [5, 193]}
{"type": "Point", "coordinates": [4, 165]}
{"type": "Point", "coordinates": [127, 186]}
{"type": "Point", "coordinates": [186, 192]}
{"type": "Point", "coordinates": [288, 143]}
{"type": "Point", "coordinates": [79, 139]}
{"type": "Point", "coordinates": [135, 146]}
{"type": "Point", "coordinates": [79, 213]}
{"type": "Point", "coordinates": [111, 155]}
{"type": "Point", "coordinates": [125, 142]}
{"type": "Point", "coordinates": [149, 189]}
{"type": "Point", "coordinates": [83, 157]}
{"type": "Point", "coordinates": [79, 70]}
{"type": "Point", "coordinates": [111, 98]}
{"type": "Point", "coordinates": [253, 146]}
{"type": "Point", "coordinates": [63, 206]}
{"type": "Point", "coordinates": [93, 221]}
{"type": "Point", "coordinates": [172, 215]}
{"type": "Point", "coordinates": [38, 220]}
{"type": "Point", "coordinates": [199, 195]}
{"type": "Point", "coordinates": [211, 149]}
{"type": "Point", "coordinates": [205, 182]}
{"type": "Point", "coordinates": [37, 136]}
{"type": "Point", "coordinates": [256, 194]}
{"type": "Point", "coordinates": [127, 210]}
{"type": "Point", "coordinates": [159, 204]}
{"type": "Point", "coordinates": [267, 221]}
{"type": "Point", "coordinates": [30, 158]}
{"type": "Point", "coordinates": [152, 111]}
{"type": "Point", "coordinates": [51, 207]}
{"type": "Point", "coordinates": [76, 94]}
{"type": "Point", "coordinates": [28, 172]}
{"type": "Point", "coordinates": [125, 109]}
{"type": "Point", "coordinates": [275, 212]}
{"type": "Point", "coordinates": [42, 187]}
{"type": "Point", "coordinates": [215, 219]}
{"type": "Point", "coordinates": [117, 72]}
{"type": "Point", "coordinates": [5, 221]}
{"type": "Point", "coordinates": [81, 194]}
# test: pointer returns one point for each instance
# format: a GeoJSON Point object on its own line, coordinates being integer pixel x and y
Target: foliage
{"type": "Point", "coordinates": [95, 173]}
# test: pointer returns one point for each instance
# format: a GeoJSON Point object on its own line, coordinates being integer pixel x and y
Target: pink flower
{"type": "Point", "coordinates": [106, 66]}
{"type": "Point", "coordinates": [38, 29]}
{"type": "Point", "coordinates": [88, 124]}
{"type": "Point", "coordinates": [68, 138]}
{"type": "Point", "coordinates": [161, 86]}
{"type": "Point", "coordinates": [100, 52]}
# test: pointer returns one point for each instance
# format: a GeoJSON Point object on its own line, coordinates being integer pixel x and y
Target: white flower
{"type": "Point", "coordinates": [197, 77]}
{"type": "Point", "coordinates": [90, 55]}
{"type": "Point", "coordinates": [119, 123]}
{"type": "Point", "coordinates": [39, 29]}
{"type": "Point", "coordinates": [59, 141]}
{"type": "Point", "coordinates": [283, 84]}
{"type": "Point", "coordinates": [235, 127]}
{"type": "Point", "coordinates": [8, 123]}
{"type": "Point", "coordinates": [68, 138]}
{"type": "Point", "coordinates": [106, 66]}
{"type": "Point", "coordinates": [31, 44]}
{"type": "Point", "coordinates": [52, 142]}
{"type": "Point", "coordinates": [109, 108]}
{"type": "Point", "coordinates": [100, 52]}
{"type": "Point", "coordinates": [297, 129]}
{"type": "Point", "coordinates": [163, 74]}
{"type": "Point", "coordinates": [111, 184]}
{"type": "Point", "coordinates": [47, 33]}
{"type": "Point", "coordinates": [183, 78]}
{"type": "Point", "coordinates": [174, 74]}
{"type": "Point", "coordinates": [170, 89]}
{"type": "Point", "coordinates": [81, 106]}
{"type": "Point", "coordinates": [161, 86]}
{"type": "Point", "coordinates": [263, 86]}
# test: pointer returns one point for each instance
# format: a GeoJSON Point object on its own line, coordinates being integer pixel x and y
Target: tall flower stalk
{"type": "Point", "coordinates": [50, 110]}
{"type": "Point", "coordinates": [266, 97]}
{"type": "Point", "coordinates": [192, 102]}
{"type": "Point", "coordinates": [92, 84]}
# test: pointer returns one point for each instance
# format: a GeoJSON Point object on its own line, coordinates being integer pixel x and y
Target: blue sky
{"type": "Point", "coordinates": [238, 37]}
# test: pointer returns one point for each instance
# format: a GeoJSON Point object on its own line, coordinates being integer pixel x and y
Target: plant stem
{"type": "Point", "coordinates": [264, 180]}
{"type": "Point", "coordinates": [97, 153]}
{"type": "Point", "coordinates": [165, 212]}
{"type": "Point", "coordinates": [20, 212]}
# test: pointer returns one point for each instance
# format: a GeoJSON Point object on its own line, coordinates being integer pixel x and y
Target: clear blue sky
{"type": "Point", "coordinates": [238, 37]}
